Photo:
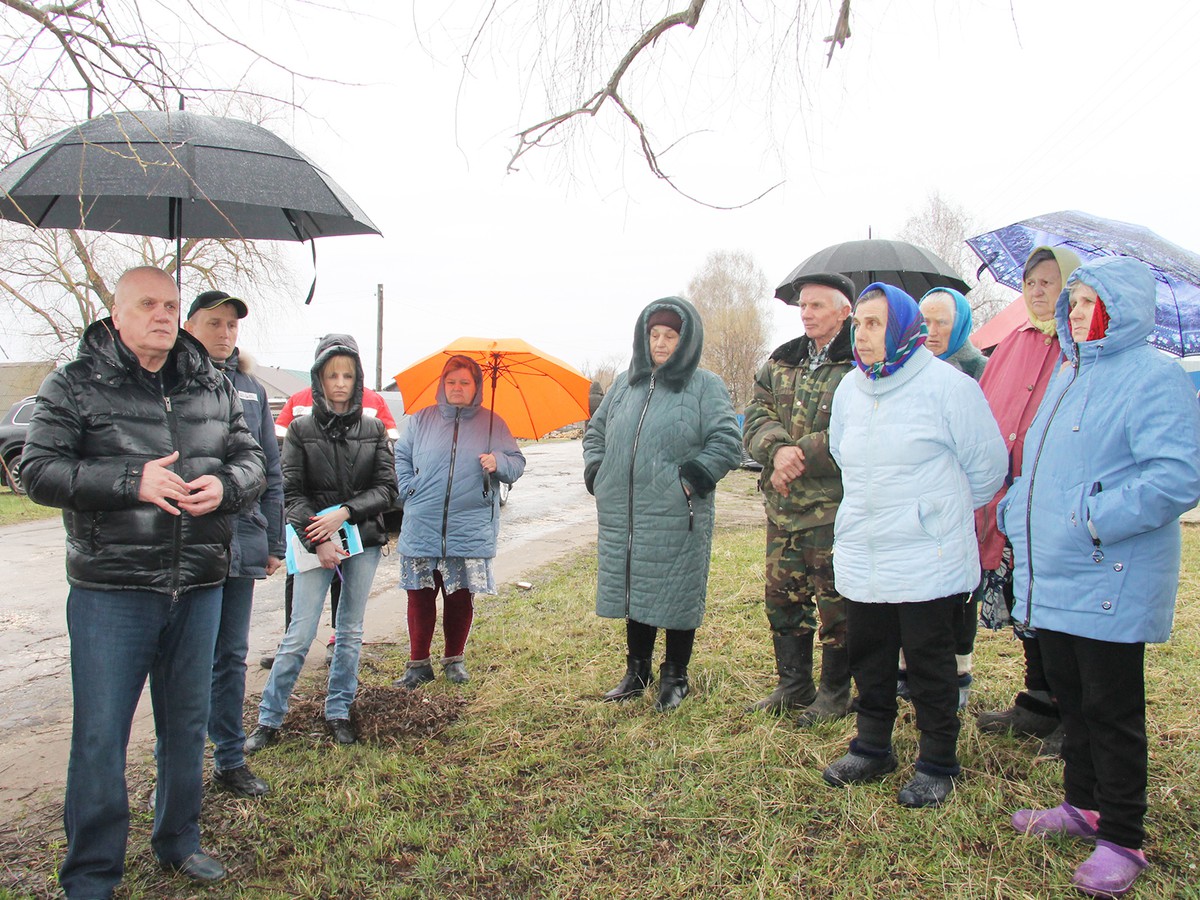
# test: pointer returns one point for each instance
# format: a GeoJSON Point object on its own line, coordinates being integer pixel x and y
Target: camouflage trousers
{"type": "Point", "coordinates": [799, 584]}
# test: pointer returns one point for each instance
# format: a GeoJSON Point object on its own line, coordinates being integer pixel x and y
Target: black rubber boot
{"type": "Point", "coordinates": [793, 661]}
{"type": "Point", "coordinates": [862, 764]}
{"type": "Point", "coordinates": [672, 686]}
{"type": "Point", "coordinates": [637, 678]}
{"type": "Point", "coordinates": [925, 789]}
{"type": "Point", "coordinates": [1028, 715]}
{"type": "Point", "coordinates": [833, 697]}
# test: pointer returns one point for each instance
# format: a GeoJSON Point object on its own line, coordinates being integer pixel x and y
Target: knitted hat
{"type": "Point", "coordinates": [667, 317]}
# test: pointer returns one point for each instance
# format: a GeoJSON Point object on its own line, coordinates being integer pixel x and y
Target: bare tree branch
{"type": "Point", "coordinates": [841, 31]}
{"type": "Point", "coordinates": [106, 62]}
{"type": "Point", "coordinates": [551, 130]}
{"type": "Point", "coordinates": [536, 135]}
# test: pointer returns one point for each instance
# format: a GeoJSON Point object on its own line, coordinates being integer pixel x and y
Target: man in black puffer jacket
{"type": "Point", "coordinates": [143, 445]}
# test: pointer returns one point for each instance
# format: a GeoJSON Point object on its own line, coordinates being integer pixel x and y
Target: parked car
{"type": "Point", "coordinates": [12, 442]}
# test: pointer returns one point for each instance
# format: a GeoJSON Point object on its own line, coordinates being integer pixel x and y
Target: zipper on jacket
{"type": "Point", "coordinates": [688, 498]}
{"type": "Point", "coordinates": [632, 462]}
{"type": "Point", "coordinates": [871, 497]}
{"type": "Point", "coordinates": [1032, 475]}
{"type": "Point", "coordinates": [177, 525]}
{"type": "Point", "coordinates": [450, 481]}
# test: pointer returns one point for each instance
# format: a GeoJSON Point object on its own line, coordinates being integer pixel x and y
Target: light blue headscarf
{"type": "Point", "coordinates": [962, 320]}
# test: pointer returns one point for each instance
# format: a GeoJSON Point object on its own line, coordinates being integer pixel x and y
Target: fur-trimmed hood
{"type": "Point", "coordinates": [675, 373]}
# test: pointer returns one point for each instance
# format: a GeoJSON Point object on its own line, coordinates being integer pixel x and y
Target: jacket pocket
{"type": "Point", "coordinates": [687, 498]}
{"type": "Point", "coordinates": [1075, 501]}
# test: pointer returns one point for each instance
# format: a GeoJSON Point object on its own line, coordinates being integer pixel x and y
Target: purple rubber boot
{"type": "Point", "coordinates": [1063, 819]}
{"type": "Point", "coordinates": [1110, 871]}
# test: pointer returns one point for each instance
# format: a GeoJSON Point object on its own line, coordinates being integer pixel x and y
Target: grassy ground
{"type": "Point", "coordinates": [523, 785]}
{"type": "Point", "coordinates": [15, 508]}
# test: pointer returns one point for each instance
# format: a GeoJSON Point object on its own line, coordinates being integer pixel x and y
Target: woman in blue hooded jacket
{"type": "Point", "coordinates": [1111, 461]}
{"type": "Point", "coordinates": [450, 460]}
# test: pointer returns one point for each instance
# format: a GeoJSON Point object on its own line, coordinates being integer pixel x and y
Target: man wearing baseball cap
{"type": "Point", "coordinates": [786, 430]}
{"type": "Point", "coordinates": [256, 550]}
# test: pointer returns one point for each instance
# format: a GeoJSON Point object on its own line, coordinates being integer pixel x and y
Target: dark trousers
{"type": "Point", "coordinates": [1035, 665]}
{"type": "Point", "coordinates": [966, 623]}
{"type": "Point", "coordinates": [225, 728]}
{"type": "Point", "coordinates": [640, 640]}
{"type": "Point", "coordinates": [1035, 670]}
{"type": "Point", "coordinates": [1101, 691]}
{"type": "Point", "coordinates": [876, 633]}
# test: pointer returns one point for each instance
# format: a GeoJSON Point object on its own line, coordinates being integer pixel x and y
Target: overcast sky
{"type": "Point", "coordinates": [1010, 109]}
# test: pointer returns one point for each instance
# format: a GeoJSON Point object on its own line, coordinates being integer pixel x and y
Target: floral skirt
{"type": "Point", "coordinates": [458, 572]}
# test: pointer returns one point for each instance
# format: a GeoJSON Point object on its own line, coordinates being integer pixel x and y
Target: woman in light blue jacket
{"type": "Point", "coordinates": [450, 460]}
{"type": "Point", "coordinates": [1111, 461]}
{"type": "Point", "coordinates": [919, 451]}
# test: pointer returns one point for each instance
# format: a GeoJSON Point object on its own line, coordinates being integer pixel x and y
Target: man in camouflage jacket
{"type": "Point", "coordinates": [786, 430]}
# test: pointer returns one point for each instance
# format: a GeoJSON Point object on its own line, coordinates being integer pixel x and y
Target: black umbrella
{"type": "Point", "coordinates": [905, 265]}
{"type": "Point", "coordinates": [176, 175]}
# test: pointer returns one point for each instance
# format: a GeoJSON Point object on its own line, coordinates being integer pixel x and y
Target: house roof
{"type": "Point", "coordinates": [19, 380]}
{"type": "Point", "coordinates": [280, 383]}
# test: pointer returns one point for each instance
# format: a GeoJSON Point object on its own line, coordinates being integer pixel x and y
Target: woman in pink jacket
{"type": "Point", "coordinates": [1013, 383]}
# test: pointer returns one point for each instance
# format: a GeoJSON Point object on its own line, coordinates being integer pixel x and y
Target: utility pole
{"type": "Point", "coordinates": [379, 339]}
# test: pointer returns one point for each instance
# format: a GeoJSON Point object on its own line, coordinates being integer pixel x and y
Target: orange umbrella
{"type": "Point", "coordinates": [533, 392]}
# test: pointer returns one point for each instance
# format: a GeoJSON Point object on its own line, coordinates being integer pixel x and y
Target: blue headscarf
{"type": "Point", "coordinates": [962, 320]}
{"type": "Point", "coordinates": [906, 331]}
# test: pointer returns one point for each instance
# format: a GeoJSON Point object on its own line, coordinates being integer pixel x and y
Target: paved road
{"type": "Point", "coordinates": [548, 512]}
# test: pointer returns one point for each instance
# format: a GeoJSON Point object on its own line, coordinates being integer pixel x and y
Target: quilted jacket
{"type": "Point", "coordinates": [655, 431]}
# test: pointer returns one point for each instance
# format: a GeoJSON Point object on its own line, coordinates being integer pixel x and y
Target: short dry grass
{"type": "Point", "coordinates": [16, 508]}
{"type": "Point", "coordinates": [523, 785]}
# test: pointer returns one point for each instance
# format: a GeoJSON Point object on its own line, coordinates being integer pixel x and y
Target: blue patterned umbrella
{"type": "Point", "coordinates": [1177, 271]}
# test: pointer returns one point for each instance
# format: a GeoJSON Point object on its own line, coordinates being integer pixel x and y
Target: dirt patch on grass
{"type": "Point", "coordinates": [381, 714]}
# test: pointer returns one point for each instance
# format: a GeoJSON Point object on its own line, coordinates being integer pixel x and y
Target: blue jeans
{"type": "Point", "coordinates": [225, 727]}
{"type": "Point", "coordinates": [308, 599]}
{"type": "Point", "coordinates": [118, 639]}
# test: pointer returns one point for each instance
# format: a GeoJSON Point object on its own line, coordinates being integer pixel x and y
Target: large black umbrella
{"type": "Point", "coordinates": [176, 175]}
{"type": "Point", "coordinates": [905, 265]}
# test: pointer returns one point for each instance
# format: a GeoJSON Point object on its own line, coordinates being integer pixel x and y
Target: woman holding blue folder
{"type": "Point", "coordinates": [337, 472]}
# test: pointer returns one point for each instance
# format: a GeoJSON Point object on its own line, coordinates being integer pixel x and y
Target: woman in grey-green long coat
{"type": "Point", "coordinates": [663, 437]}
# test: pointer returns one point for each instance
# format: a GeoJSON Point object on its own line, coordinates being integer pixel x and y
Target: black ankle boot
{"type": "Point", "coordinates": [637, 677]}
{"type": "Point", "coordinates": [672, 686]}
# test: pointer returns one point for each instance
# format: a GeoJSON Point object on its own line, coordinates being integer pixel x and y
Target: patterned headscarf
{"type": "Point", "coordinates": [1068, 262]}
{"type": "Point", "coordinates": [962, 319]}
{"type": "Point", "coordinates": [906, 331]}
